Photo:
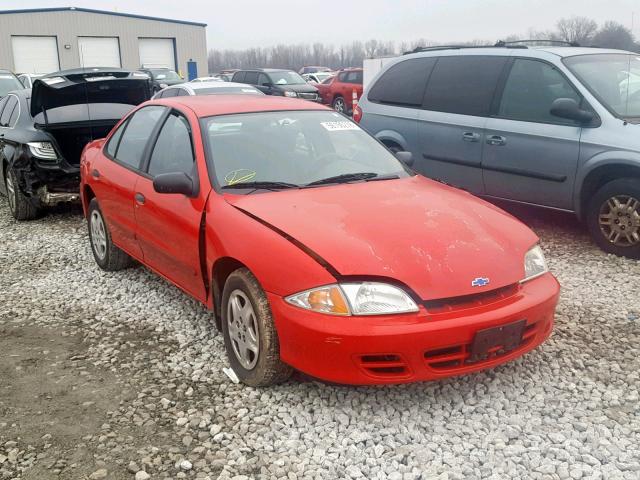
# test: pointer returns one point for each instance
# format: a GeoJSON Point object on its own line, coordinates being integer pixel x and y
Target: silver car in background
{"type": "Point", "coordinates": [557, 127]}
{"type": "Point", "coordinates": [207, 88]}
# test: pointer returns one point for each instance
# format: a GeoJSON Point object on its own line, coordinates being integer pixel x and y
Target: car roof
{"type": "Point", "coordinates": [265, 70]}
{"type": "Point", "coordinates": [80, 71]}
{"type": "Point", "coordinates": [209, 105]}
{"type": "Point", "coordinates": [521, 51]}
{"type": "Point", "coordinates": [211, 84]}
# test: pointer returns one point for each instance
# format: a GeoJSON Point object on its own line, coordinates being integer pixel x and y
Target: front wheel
{"type": "Point", "coordinates": [613, 217]}
{"type": "Point", "coordinates": [249, 333]}
{"type": "Point", "coordinates": [20, 206]}
{"type": "Point", "coordinates": [339, 105]}
{"type": "Point", "coordinates": [106, 254]}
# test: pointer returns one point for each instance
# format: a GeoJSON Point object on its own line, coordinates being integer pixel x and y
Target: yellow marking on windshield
{"type": "Point", "coordinates": [239, 176]}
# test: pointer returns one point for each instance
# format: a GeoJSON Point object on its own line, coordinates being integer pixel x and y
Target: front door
{"type": "Point", "coordinates": [168, 225]}
{"type": "Point", "coordinates": [529, 154]}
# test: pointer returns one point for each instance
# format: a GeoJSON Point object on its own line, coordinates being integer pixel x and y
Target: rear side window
{"type": "Point", "coordinates": [136, 135]}
{"type": "Point", "coordinates": [173, 151]}
{"type": "Point", "coordinates": [112, 146]}
{"type": "Point", "coordinates": [11, 104]}
{"type": "Point", "coordinates": [238, 77]}
{"type": "Point", "coordinates": [531, 88]}
{"type": "Point", "coordinates": [251, 77]}
{"type": "Point", "coordinates": [403, 84]}
{"type": "Point", "coordinates": [464, 85]}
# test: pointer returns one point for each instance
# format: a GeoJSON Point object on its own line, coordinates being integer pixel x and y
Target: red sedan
{"type": "Point", "coordinates": [337, 91]}
{"type": "Point", "coordinates": [314, 246]}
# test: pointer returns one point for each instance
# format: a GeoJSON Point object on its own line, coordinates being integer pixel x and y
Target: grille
{"type": "Point", "coordinates": [387, 365]}
{"type": "Point", "coordinates": [469, 301]}
{"type": "Point", "coordinates": [308, 96]}
{"type": "Point", "coordinates": [456, 356]}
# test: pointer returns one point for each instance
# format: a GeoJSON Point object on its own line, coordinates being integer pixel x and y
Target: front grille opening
{"type": "Point", "coordinates": [450, 304]}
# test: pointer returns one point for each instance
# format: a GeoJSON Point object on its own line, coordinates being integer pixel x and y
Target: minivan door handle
{"type": "Point", "coordinates": [497, 140]}
{"type": "Point", "coordinates": [470, 137]}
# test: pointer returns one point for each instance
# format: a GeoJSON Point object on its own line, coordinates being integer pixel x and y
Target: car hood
{"type": "Point", "coordinates": [433, 238]}
{"type": "Point", "coordinates": [89, 86]}
{"type": "Point", "coordinates": [302, 88]}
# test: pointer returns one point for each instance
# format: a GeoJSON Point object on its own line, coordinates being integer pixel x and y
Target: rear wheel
{"type": "Point", "coordinates": [249, 333]}
{"type": "Point", "coordinates": [613, 217]}
{"type": "Point", "coordinates": [106, 254]}
{"type": "Point", "coordinates": [339, 105]}
{"type": "Point", "coordinates": [20, 206]}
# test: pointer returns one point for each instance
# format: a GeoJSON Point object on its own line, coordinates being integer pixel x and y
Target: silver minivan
{"type": "Point", "coordinates": [557, 127]}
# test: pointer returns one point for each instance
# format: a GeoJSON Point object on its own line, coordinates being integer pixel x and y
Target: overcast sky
{"type": "Point", "coordinates": [248, 23]}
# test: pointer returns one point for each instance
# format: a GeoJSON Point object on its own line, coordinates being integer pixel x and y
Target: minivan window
{"type": "Point", "coordinates": [238, 77]}
{"type": "Point", "coordinates": [252, 78]}
{"type": "Point", "coordinates": [612, 77]}
{"type": "Point", "coordinates": [136, 135]}
{"type": "Point", "coordinates": [530, 89]}
{"type": "Point", "coordinates": [403, 84]}
{"type": "Point", "coordinates": [464, 85]}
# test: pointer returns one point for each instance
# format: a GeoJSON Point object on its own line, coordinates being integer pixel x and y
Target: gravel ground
{"type": "Point", "coordinates": [119, 376]}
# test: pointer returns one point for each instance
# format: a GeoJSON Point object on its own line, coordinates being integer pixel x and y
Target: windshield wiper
{"type": "Point", "coordinates": [264, 185]}
{"type": "Point", "coordinates": [352, 177]}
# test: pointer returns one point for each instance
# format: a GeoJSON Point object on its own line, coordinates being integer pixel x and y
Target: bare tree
{"type": "Point", "coordinates": [577, 30]}
{"type": "Point", "coordinates": [614, 35]}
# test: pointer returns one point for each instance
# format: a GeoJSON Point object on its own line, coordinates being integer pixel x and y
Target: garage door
{"type": "Point", "coordinates": [157, 52]}
{"type": "Point", "coordinates": [99, 51]}
{"type": "Point", "coordinates": [35, 54]}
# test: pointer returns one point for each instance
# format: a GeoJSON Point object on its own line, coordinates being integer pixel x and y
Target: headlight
{"type": "Point", "coordinates": [364, 298]}
{"type": "Point", "coordinates": [534, 264]}
{"type": "Point", "coordinates": [163, 85]}
{"type": "Point", "coordinates": [290, 94]}
{"type": "Point", "coordinates": [43, 150]}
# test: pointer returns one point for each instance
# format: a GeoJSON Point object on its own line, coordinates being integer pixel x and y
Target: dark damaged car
{"type": "Point", "coordinates": [43, 131]}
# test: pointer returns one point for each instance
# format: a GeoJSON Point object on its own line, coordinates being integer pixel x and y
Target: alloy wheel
{"type": "Point", "coordinates": [98, 235]}
{"type": "Point", "coordinates": [338, 105]}
{"type": "Point", "coordinates": [243, 329]}
{"type": "Point", "coordinates": [619, 220]}
{"type": "Point", "coordinates": [11, 192]}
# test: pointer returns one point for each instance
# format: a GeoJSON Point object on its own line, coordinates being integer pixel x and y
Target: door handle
{"type": "Point", "coordinates": [497, 140]}
{"type": "Point", "coordinates": [139, 198]}
{"type": "Point", "coordinates": [470, 137]}
{"type": "Point", "coordinates": [95, 173]}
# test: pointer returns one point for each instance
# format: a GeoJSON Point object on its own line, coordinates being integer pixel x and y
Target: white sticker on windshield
{"type": "Point", "coordinates": [337, 126]}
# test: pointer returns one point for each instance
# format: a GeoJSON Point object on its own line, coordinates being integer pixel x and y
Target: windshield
{"type": "Point", "coordinates": [234, 90]}
{"type": "Point", "coordinates": [9, 83]}
{"type": "Point", "coordinates": [293, 147]}
{"type": "Point", "coordinates": [286, 78]}
{"type": "Point", "coordinates": [165, 75]}
{"type": "Point", "coordinates": [613, 78]}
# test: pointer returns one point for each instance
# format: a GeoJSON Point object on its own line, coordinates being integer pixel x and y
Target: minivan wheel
{"type": "Point", "coordinates": [249, 333]}
{"type": "Point", "coordinates": [20, 206]}
{"type": "Point", "coordinates": [613, 217]}
{"type": "Point", "coordinates": [106, 254]}
{"type": "Point", "coordinates": [339, 105]}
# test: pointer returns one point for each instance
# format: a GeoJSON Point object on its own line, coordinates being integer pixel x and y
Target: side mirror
{"type": "Point", "coordinates": [568, 108]}
{"type": "Point", "coordinates": [405, 157]}
{"type": "Point", "coordinates": [174, 183]}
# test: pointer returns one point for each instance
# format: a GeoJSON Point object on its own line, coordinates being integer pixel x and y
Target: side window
{"type": "Point", "coordinates": [182, 92]}
{"type": "Point", "coordinates": [252, 78]}
{"type": "Point", "coordinates": [358, 77]}
{"type": "Point", "coordinates": [342, 77]}
{"type": "Point", "coordinates": [12, 103]}
{"type": "Point", "coordinates": [531, 88]}
{"type": "Point", "coordinates": [24, 80]}
{"type": "Point", "coordinates": [262, 79]}
{"type": "Point", "coordinates": [170, 92]}
{"type": "Point", "coordinates": [238, 77]}
{"type": "Point", "coordinates": [136, 135]}
{"type": "Point", "coordinates": [403, 84]}
{"type": "Point", "coordinates": [464, 85]}
{"type": "Point", "coordinates": [112, 146]}
{"type": "Point", "coordinates": [14, 116]}
{"type": "Point", "coordinates": [173, 151]}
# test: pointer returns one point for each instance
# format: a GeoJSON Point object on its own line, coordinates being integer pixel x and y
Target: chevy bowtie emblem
{"type": "Point", "coordinates": [480, 282]}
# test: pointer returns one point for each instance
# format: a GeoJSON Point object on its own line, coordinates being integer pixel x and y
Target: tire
{"type": "Point", "coordinates": [108, 257]}
{"type": "Point", "coordinates": [259, 368]}
{"type": "Point", "coordinates": [613, 217]}
{"type": "Point", "coordinates": [20, 206]}
{"type": "Point", "coordinates": [339, 105]}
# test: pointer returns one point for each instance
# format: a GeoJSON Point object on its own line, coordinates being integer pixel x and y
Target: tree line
{"type": "Point", "coordinates": [580, 30]}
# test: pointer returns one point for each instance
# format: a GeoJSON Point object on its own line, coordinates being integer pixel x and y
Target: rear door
{"type": "Point", "coordinates": [168, 225]}
{"type": "Point", "coordinates": [456, 104]}
{"type": "Point", "coordinates": [115, 177]}
{"type": "Point", "coordinates": [530, 155]}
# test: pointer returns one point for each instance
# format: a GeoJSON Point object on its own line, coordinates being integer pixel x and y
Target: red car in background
{"type": "Point", "coordinates": [338, 91]}
{"type": "Point", "coordinates": [315, 247]}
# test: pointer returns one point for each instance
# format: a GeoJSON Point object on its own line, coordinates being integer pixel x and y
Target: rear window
{"type": "Point", "coordinates": [403, 84]}
{"type": "Point", "coordinates": [463, 85]}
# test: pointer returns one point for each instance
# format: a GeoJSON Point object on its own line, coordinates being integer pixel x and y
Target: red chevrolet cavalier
{"type": "Point", "coordinates": [315, 247]}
